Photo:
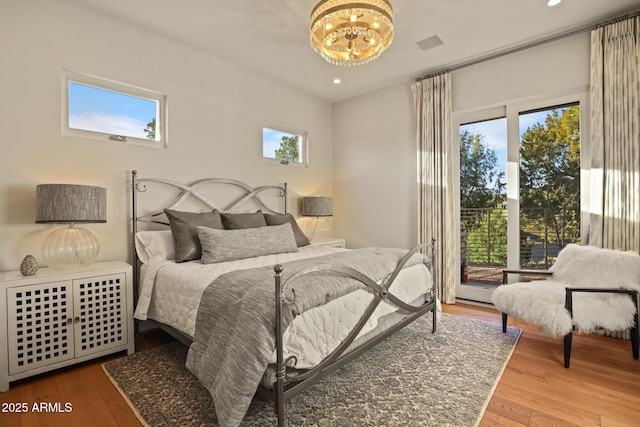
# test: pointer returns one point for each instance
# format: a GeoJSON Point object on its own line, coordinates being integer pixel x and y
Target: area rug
{"type": "Point", "coordinates": [414, 378]}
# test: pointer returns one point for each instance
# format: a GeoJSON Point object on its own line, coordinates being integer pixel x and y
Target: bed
{"type": "Point", "coordinates": [262, 310]}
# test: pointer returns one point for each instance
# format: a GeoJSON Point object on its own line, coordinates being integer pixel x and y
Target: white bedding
{"type": "Point", "coordinates": [170, 293]}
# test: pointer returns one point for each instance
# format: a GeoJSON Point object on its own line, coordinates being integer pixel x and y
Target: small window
{"type": "Point", "coordinates": [111, 111]}
{"type": "Point", "coordinates": [284, 146]}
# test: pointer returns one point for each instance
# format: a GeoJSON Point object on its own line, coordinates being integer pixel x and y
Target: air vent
{"type": "Point", "coordinates": [430, 43]}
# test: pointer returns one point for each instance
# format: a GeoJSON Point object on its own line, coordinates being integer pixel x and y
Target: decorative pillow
{"type": "Point", "coordinates": [229, 245]}
{"type": "Point", "coordinates": [183, 228]}
{"type": "Point", "coordinates": [154, 246]}
{"type": "Point", "coordinates": [238, 221]}
{"type": "Point", "coordinates": [278, 219]}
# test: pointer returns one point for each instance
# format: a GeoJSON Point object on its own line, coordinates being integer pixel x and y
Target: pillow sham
{"type": "Point", "coordinates": [236, 221]}
{"type": "Point", "coordinates": [183, 228]}
{"type": "Point", "coordinates": [278, 219]}
{"type": "Point", "coordinates": [154, 246]}
{"type": "Point", "coordinates": [229, 245]}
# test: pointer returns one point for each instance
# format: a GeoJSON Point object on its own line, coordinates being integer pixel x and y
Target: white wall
{"type": "Point", "coordinates": [216, 114]}
{"type": "Point", "coordinates": [543, 70]}
{"type": "Point", "coordinates": [374, 166]}
{"type": "Point", "coordinates": [374, 136]}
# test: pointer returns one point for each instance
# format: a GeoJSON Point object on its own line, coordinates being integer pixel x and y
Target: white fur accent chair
{"type": "Point", "coordinates": [589, 288]}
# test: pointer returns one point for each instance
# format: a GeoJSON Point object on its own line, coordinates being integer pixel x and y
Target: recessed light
{"type": "Point", "coordinates": [551, 3]}
{"type": "Point", "coordinates": [337, 81]}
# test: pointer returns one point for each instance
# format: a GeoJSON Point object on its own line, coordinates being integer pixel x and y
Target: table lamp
{"type": "Point", "coordinates": [318, 206]}
{"type": "Point", "coordinates": [73, 247]}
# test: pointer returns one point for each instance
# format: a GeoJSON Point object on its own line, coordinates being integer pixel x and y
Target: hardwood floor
{"type": "Point", "coordinates": [602, 387]}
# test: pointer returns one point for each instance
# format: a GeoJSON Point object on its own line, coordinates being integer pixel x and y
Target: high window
{"type": "Point", "coordinates": [284, 146]}
{"type": "Point", "coordinates": [103, 109]}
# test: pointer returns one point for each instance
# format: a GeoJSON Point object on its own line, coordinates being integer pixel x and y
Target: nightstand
{"type": "Point", "coordinates": [333, 242]}
{"type": "Point", "coordinates": [58, 318]}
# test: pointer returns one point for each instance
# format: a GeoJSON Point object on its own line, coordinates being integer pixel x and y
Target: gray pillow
{"type": "Point", "coordinates": [278, 219]}
{"type": "Point", "coordinates": [183, 228]}
{"type": "Point", "coordinates": [229, 245]}
{"type": "Point", "coordinates": [243, 220]}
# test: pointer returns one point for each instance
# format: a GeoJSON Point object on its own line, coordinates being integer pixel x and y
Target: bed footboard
{"type": "Point", "coordinates": [288, 385]}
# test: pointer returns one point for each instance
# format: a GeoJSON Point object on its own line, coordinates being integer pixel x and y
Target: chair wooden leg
{"type": "Point", "coordinates": [567, 349]}
{"type": "Point", "coordinates": [504, 322]}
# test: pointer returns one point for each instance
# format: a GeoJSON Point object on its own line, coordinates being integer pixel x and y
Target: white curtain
{"type": "Point", "coordinates": [432, 102]}
{"type": "Point", "coordinates": [615, 135]}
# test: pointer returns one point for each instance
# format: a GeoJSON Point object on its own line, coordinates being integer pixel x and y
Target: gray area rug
{"type": "Point", "coordinates": [413, 378]}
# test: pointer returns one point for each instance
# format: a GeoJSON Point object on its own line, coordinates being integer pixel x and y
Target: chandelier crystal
{"type": "Point", "coordinates": [351, 33]}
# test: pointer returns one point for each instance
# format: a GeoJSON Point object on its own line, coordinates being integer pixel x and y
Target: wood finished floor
{"type": "Point", "coordinates": [602, 387]}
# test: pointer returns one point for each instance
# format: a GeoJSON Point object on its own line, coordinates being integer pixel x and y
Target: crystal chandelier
{"type": "Point", "coordinates": [351, 33]}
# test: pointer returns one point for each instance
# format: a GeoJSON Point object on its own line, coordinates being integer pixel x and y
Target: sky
{"type": "Point", "coordinates": [109, 112]}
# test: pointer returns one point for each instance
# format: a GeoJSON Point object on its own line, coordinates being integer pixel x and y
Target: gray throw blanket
{"type": "Point", "coordinates": [235, 327]}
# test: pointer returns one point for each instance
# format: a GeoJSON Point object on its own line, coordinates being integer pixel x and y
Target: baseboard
{"type": "Point", "coordinates": [472, 302]}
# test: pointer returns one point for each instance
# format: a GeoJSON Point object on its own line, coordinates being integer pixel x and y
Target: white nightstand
{"type": "Point", "coordinates": [333, 242]}
{"type": "Point", "coordinates": [57, 318]}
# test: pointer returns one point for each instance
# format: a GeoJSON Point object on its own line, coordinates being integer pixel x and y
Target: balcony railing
{"type": "Point", "coordinates": [543, 232]}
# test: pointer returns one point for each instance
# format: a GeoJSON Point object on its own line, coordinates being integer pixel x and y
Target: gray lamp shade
{"type": "Point", "coordinates": [317, 206]}
{"type": "Point", "coordinates": [70, 203]}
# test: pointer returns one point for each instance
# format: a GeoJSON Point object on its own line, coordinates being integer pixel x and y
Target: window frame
{"type": "Point", "coordinates": [101, 83]}
{"type": "Point", "coordinates": [304, 145]}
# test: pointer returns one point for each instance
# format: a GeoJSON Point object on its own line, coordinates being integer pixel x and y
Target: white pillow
{"type": "Point", "coordinates": [153, 246]}
{"type": "Point", "coordinates": [229, 245]}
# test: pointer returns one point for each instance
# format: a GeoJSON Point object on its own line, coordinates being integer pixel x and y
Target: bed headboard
{"type": "Point", "coordinates": [195, 192]}
{"type": "Point", "coordinates": [207, 194]}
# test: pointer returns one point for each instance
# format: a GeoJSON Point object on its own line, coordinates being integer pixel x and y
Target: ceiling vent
{"type": "Point", "coordinates": [430, 43]}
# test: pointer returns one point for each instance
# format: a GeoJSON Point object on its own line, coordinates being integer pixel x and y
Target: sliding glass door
{"type": "Point", "coordinates": [520, 192]}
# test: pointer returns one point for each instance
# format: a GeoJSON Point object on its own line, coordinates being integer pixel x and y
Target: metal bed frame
{"type": "Point", "coordinates": [289, 383]}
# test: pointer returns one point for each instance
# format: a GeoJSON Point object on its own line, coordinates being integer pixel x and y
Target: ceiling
{"type": "Point", "coordinates": [271, 36]}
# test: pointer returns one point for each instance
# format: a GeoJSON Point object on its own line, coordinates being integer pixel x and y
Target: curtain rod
{"type": "Point", "coordinates": [516, 49]}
